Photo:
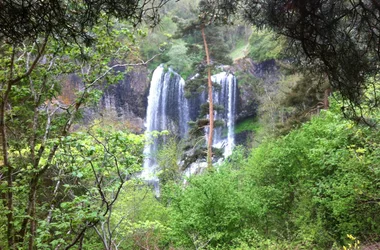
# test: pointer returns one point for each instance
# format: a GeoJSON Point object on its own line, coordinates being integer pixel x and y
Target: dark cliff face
{"type": "Point", "coordinates": [122, 105]}
{"type": "Point", "coordinates": [128, 97]}
{"type": "Point", "coordinates": [126, 101]}
{"type": "Point", "coordinates": [248, 72]}
{"type": "Point", "coordinates": [268, 70]}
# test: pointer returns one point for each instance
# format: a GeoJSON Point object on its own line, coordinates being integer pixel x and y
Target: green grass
{"type": "Point", "coordinates": [249, 124]}
{"type": "Point", "coordinates": [264, 45]}
{"type": "Point", "coordinates": [240, 51]}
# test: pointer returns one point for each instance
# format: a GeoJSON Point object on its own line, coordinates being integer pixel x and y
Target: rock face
{"type": "Point", "coordinates": [126, 102]}
{"type": "Point", "coordinates": [247, 72]}
{"type": "Point", "coordinates": [268, 70]}
{"type": "Point", "coordinates": [123, 104]}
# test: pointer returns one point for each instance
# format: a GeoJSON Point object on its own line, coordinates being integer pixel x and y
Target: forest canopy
{"type": "Point", "coordinates": [43, 44]}
{"type": "Point", "coordinates": [69, 20]}
{"type": "Point", "coordinates": [311, 183]}
{"type": "Point", "coordinates": [337, 40]}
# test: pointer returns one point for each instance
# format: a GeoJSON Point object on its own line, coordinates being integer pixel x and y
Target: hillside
{"type": "Point", "coordinates": [188, 124]}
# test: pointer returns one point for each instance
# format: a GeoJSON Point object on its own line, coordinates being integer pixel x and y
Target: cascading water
{"type": "Point", "coordinates": [152, 123]}
{"type": "Point", "coordinates": [226, 97]}
{"type": "Point", "coordinates": [167, 110]}
{"type": "Point", "coordinates": [232, 92]}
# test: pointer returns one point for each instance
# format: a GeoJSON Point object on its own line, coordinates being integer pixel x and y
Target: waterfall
{"type": "Point", "coordinates": [231, 114]}
{"type": "Point", "coordinates": [152, 123]}
{"type": "Point", "coordinates": [167, 109]}
{"type": "Point", "coordinates": [226, 97]}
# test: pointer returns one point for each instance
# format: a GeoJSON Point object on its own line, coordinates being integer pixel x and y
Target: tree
{"type": "Point", "coordinates": [309, 180]}
{"type": "Point", "coordinates": [41, 42]}
{"type": "Point", "coordinates": [200, 23]}
{"type": "Point", "coordinates": [336, 39]}
{"type": "Point", "coordinates": [69, 20]}
{"type": "Point", "coordinates": [138, 220]}
{"type": "Point", "coordinates": [210, 101]}
{"type": "Point", "coordinates": [35, 122]}
{"type": "Point", "coordinates": [215, 210]}
{"type": "Point", "coordinates": [89, 173]}
{"type": "Point", "coordinates": [308, 189]}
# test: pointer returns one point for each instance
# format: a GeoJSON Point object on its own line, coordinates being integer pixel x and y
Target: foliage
{"type": "Point", "coordinates": [212, 211]}
{"type": "Point", "coordinates": [91, 169]}
{"type": "Point", "coordinates": [157, 42]}
{"type": "Point", "coordinates": [239, 51]}
{"type": "Point", "coordinates": [303, 95]}
{"type": "Point", "coordinates": [168, 160]}
{"type": "Point", "coordinates": [307, 189]}
{"type": "Point", "coordinates": [336, 39]}
{"type": "Point", "coordinates": [182, 51]}
{"type": "Point", "coordinates": [86, 176]}
{"type": "Point", "coordinates": [248, 124]}
{"type": "Point", "coordinates": [36, 122]}
{"type": "Point", "coordinates": [70, 21]}
{"type": "Point", "coordinates": [264, 45]}
{"type": "Point", "coordinates": [217, 43]}
{"type": "Point", "coordinates": [330, 184]}
{"type": "Point", "coordinates": [287, 97]}
{"type": "Point", "coordinates": [180, 60]}
{"type": "Point", "coordinates": [138, 219]}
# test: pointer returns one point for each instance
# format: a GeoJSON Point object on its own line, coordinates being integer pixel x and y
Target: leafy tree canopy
{"type": "Point", "coordinates": [36, 121]}
{"type": "Point", "coordinates": [25, 19]}
{"type": "Point", "coordinates": [337, 39]}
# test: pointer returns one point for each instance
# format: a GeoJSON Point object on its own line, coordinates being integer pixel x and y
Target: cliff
{"type": "Point", "coordinates": [125, 103]}
{"type": "Point", "coordinates": [249, 74]}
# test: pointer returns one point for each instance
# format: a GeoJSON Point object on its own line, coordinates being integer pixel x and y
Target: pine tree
{"type": "Point", "coordinates": [210, 44]}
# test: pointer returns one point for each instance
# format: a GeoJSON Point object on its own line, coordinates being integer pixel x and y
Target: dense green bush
{"type": "Point", "coordinates": [138, 220]}
{"type": "Point", "coordinates": [213, 210]}
{"type": "Point", "coordinates": [308, 189]}
{"type": "Point", "coordinates": [264, 45]}
{"type": "Point", "coordinates": [320, 180]}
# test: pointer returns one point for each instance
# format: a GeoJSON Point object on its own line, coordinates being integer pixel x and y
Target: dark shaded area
{"type": "Point", "coordinates": [337, 40]}
{"type": "Point", "coordinates": [68, 20]}
{"type": "Point", "coordinates": [129, 95]}
{"type": "Point", "coordinates": [243, 138]}
{"type": "Point", "coordinates": [248, 71]}
{"type": "Point", "coordinates": [172, 105]}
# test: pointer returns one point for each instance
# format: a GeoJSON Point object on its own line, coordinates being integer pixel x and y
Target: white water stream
{"type": "Point", "coordinates": [168, 109]}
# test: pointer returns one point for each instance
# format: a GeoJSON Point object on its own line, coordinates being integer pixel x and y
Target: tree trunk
{"type": "Point", "coordinates": [9, 172]}
{"type": "Point", "coordinates": [326, 103]}
{"type": "Point", "coordinates": [6, 165]}
{"type": "Point", "coordinates": [210, 101]}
